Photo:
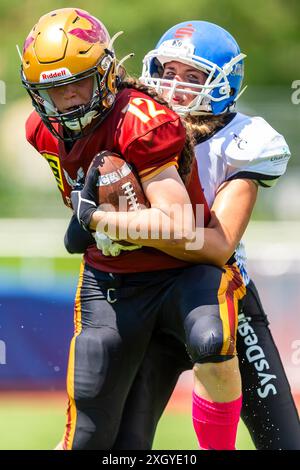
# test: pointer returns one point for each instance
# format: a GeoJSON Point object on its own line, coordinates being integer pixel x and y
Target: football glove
{"type": "Point", "coordinates": [110, 247]}
{"type": "Point", "coordinates": [85, 198]}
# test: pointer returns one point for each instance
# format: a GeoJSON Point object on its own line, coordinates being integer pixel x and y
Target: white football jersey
{"type": "Point", "coordinates": [247, 147]}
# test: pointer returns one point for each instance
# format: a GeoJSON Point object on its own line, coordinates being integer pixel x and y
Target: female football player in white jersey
{"type": "Point", "coordinates": [198, 68]}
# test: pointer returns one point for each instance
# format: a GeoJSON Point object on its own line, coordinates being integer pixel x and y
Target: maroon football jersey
{"type": "Point", "coordinates": [149, 136]}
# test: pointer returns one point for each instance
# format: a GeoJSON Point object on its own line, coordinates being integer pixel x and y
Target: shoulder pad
{"type": "Point", "coordinates": [251, 144]}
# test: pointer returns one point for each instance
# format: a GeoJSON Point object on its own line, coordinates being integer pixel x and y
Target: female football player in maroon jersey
{"type": "Point", "coordinates": [83, 106]}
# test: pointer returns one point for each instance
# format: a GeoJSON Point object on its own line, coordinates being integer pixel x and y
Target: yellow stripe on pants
{"type": "Point", "coordinates": [72, 412]}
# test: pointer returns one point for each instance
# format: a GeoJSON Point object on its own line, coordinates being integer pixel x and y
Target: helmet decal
{"type": "Point", "coordinates": [97, 33]}
{"type": "Point", "coordinates": [53, 75]}
{"type": "Point", "coordinates": [185, 32]}
{"type": "Point", "coordinates": [27, 43]}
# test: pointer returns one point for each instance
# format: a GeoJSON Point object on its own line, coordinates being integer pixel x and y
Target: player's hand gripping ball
{"type": "Point", "coordinates": [118, 190]}
{"type": "Point", "coordinates": [84, 198]}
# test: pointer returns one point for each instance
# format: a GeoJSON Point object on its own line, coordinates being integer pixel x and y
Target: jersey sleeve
{"type": "Point", "coordinates": [157, 150]}
{"type": "Point", "coordinates": [32, 127]}
{"type": "Point", "coordinates": [256, 151]}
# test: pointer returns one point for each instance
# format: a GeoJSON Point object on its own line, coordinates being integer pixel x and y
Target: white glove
{"type": "Point", "coordinates": [110, 247]}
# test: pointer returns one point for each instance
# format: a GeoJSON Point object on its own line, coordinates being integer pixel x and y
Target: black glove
{"type": "Point", "coordinates": [85, 198]}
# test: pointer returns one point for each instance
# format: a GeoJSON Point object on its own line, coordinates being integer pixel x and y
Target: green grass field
{"type": "Point", "coordinates": [37, 423]}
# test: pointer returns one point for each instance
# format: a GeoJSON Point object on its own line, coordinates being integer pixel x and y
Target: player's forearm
{"type": "Point", "coordinates": [150, 227]}
{"type": "Point", "coordinates": [209, 247]}
{"type": "Point", "coordinates": [228, 222]}
{"type": "Point", "coordinates": [153, 228]}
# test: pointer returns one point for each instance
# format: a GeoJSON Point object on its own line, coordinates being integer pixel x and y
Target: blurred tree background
{"type": "Point", "coordinates": [268, 32]}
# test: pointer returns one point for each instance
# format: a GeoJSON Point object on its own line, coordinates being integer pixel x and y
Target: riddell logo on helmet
{"type": "Point", "coordinates": [52, 75]}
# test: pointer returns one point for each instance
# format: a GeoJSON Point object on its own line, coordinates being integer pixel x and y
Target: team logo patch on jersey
{"type": "Point", "coordinates": [285, 155]}
{"type": "Point", "coordinates": [53, 161]}
{"type": "Point", "coordinates": [79, 177]}
{"type": "Point", "coordinates": [241, 143]}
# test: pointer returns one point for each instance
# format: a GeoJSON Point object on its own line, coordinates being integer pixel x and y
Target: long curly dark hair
{"type": "Point", "coordinates": [205, 126]}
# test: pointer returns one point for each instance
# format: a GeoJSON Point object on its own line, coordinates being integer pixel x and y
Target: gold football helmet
{"type": "Point", "coordinates": [66, 46]}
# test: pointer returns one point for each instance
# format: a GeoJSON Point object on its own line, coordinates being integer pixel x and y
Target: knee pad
{"type": "Point", "coordinates": [206, 341]}
{"type": "Point", "coordinates": [96, 359]}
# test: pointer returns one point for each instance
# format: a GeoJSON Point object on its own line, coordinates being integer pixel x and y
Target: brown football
{"type": "Point", "coordinates": [119, 187]}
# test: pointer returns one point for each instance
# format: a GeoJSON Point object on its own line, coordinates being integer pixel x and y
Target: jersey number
{"type": "Point", "coordinates": [133, 108]}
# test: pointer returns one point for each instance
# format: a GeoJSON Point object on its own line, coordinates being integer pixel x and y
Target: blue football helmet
{"type": "Point", "coordinates": [208, 48]}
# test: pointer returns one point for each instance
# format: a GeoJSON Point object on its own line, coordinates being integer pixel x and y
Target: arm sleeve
{"type": "Point", "coordinates": [76, 239]}
{"type": "Point", "coordinates": [32, 127]}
